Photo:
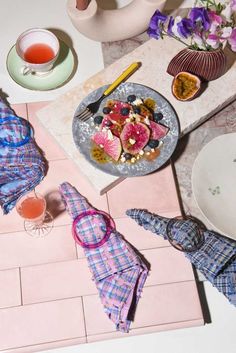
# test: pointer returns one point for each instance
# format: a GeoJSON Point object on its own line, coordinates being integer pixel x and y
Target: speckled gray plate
{"type": "Point", "coordinates": [82, 131]}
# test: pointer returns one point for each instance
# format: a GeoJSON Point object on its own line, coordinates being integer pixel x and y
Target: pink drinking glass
{"type": "Point", "coordinates": [32, 207]}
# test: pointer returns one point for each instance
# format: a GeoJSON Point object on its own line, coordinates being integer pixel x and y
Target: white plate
{"type": "Point", "coordinates": [214, 183]}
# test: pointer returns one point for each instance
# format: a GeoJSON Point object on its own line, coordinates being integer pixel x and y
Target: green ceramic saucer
{"type": "Point", "coordinates": [61, 73]}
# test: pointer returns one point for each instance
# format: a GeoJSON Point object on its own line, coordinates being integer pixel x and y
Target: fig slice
{"type": "Point", "coordinates": [158, 131]}
{"type": "Point", "coordinates": [134, 137]}
{"type": "Point", "coordinates": [109, 143]}
{"type": "Point", "coordinates": [185, 86]}
{"type": "Point", "coordinates": [114, 119]}
{"type": "Point", "coordinates": [115, 124]}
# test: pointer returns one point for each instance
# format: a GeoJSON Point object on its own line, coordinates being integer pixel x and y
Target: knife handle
{"type": "Point", "coordinates": [129, 71]}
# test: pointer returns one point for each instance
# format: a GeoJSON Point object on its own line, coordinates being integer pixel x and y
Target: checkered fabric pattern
{"type": "Point", "coordinates": [216, 258]}
{"type": "Point", "coordinates": [178, 231]}
{"type": "Point", "coordinates": [153, 223]}
{"type": "Point", "coordinates": [22, 166]}
{"type": "Point", "coordinates": [118, 272]}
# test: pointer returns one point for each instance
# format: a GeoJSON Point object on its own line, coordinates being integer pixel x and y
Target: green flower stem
{"type": "Point", "coordinates": [177, 38]}
{"type": "Point", "coordinates": [208, 3]}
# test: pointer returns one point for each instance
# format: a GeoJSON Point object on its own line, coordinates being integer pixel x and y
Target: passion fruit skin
{"type": "Point", "coordinates": [185, 86]}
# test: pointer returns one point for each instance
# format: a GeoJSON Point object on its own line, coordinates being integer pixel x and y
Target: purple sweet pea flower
{"type": "Point", "coordinates": [156, 19]}
{"type": "Point", "coordinates": [198, 41]}
{"type": "Point", "coordinates": [213, 17]}
{"type": "Point", "coordinates": [185, 27]}
{"type": "Point", "coordinates": [156, 24]}
{"type": "Point", "coordinates": [213, 40]}
{"type": "Point", "coordinates": [153, 33]}
{"type": "Point", "coordinates": [215, 21]}
{"type": "Point", "coordinates": [207, 27]}
{"type": "Point", "coordinates": [170, 25]}
{"type": "Point", "coordinates": [200, 18]}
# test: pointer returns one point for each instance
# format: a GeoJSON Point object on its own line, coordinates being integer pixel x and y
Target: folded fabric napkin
{"type": "Point", "coordinates": [22, 166]}
{"type": "Point", "coordinates": [215, 256]}
{"type": "Point", "coordinates": [118, 272]}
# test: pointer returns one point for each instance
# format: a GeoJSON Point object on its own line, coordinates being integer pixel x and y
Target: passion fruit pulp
{"type": "Point", "coordinates": [185, 86]}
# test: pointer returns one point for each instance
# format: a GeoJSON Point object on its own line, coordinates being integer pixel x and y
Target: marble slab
{"type": "Point", "coordinates": [155, 56]}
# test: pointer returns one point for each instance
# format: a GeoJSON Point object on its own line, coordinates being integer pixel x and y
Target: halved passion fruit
{"type": "Point", "coordinates": [185, 86]}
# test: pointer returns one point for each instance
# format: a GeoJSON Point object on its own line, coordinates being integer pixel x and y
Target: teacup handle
{"type": "Point", "coordinates": [26, 70]}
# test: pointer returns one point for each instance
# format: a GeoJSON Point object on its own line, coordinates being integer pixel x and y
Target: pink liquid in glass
{"type": "Point", "coordinates": [32, 208]}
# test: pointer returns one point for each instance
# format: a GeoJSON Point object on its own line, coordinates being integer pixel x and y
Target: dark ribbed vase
{"type": "Point", "coordinates": [207, 65]}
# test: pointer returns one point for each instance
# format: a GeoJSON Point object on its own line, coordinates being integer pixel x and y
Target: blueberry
{"type": "Point", "coordinates": [137, 110]}
{"type": "Point", "coordinates": [131, 98]}
{"type": "Point", "coordinates": [157, 116]}
{"type": "Point", "coordinates": [153, 143]}
{"type": "Point", "coordinates": [98, 119]}
{"type": "Point", "coordinates": [106, 110]}
{"type": "Point", "coordinates": [124, 111]}
{"type": "Point", "coordinates": [128, 156]}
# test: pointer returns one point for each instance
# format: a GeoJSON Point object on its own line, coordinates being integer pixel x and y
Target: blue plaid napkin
{"type": "Point", "coordinates": [215, 258]}
{"type": "Point", "coordinates": [22, 166]}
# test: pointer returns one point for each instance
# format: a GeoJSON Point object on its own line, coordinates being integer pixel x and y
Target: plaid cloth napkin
{"type": "Point", "coordinates": [215, 258]}
{"type": "Point", "coordinates": [22, 166]}
{"type": "Point", "coordinates": [118, 272]}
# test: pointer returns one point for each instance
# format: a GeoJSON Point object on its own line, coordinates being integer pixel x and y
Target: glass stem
{"type": "Point", "coordinates": [35, 194]}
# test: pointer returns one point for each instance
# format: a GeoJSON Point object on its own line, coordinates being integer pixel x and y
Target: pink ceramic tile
{"type": "Point", "coordinates": [73, 278]}
{"type": "Point", "coordinates": [48, 345]}
{"type": "Point", "coordinates": [20, 110]}
{"type": "Point", "coordinates": [99, 323]}
{"type": "Point", "coordinates": [41, 323]}
{"type": "Point", "coordinates": [43, 138]}
{"type": "Point", "coordinates": [10, 293]}
{"type": "Point", "coordinates": [159, 305]}
{"type": "Point", "coordinates": [65, 170]}
{"type": "Point", "coordinates": [168, 303]}
{"type": "Point", "coordinates": [11, 222]}
{"type": "Point", "coordinates": [167, 265]}
{"type": "Point", "coordinates": [56, 281]}
{"type": "Point", "coordinates": [155, 192]}
{"type": "Point", "coordinates": [138, 236]}
{"type": "Point", "coordinates": [145, 330]}
{"type": "Point", "coordinates": [20, 249]}
{"type": "Point", "coordinates": [80, 252]}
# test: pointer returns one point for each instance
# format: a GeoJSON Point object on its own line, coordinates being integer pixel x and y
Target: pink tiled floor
{"type": "Point", "coordinates": [45, 285]}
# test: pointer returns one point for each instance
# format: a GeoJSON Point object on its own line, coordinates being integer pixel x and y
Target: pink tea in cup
{"type": "Point", "coordinates": [38, 49]}
{"type": "Point", "coordinates": [39, 53]}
